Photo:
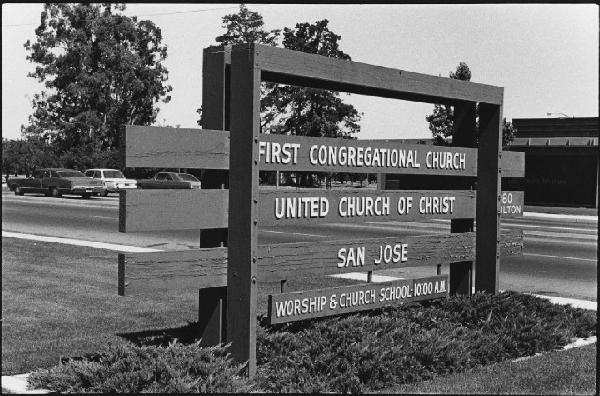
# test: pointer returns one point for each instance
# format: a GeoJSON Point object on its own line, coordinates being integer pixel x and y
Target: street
{"type": "Point", "coordinates": [560, 256]}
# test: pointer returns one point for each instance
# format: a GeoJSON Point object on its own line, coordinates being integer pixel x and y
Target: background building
{"type": "Point", "coordinates": [561, 160]}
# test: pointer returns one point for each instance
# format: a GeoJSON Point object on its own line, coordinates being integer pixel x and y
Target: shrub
{"type": "Point", "coordinates": [130, 368]}
{"type": "Point", "coordinates": [354, 353]}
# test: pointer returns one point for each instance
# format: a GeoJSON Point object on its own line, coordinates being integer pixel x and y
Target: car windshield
{"type": "Point", "coordinates": [187, 177]}
{"type": "Point", "coordinates": [113, 173]}
{"type": "Point", "coordinates": [70, 174]}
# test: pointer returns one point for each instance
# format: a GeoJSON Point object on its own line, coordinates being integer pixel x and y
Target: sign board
{"type": "Point", "coordinates": [290, 307]}
{"type": "Point", "coordinates": [295, 153]}
{"type": "Point", "coordinates": [351, 206]}
{"type": "Point", "coordinates": [512, 204]}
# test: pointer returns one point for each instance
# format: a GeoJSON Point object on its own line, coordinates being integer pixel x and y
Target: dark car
{"type": "Point", "coordinates": [55, 182]}
{"type": "Point", "coordinates": [170, 180]}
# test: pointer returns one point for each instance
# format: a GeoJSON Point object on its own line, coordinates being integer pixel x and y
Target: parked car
{"type": "Point", "coordinates": [55, 182]}
{"type": "Point", "coordinates": [113, 179]}
{"type": "Point", "coordinates": [170, 180]}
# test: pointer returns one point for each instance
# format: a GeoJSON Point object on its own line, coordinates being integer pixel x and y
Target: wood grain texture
{"type": "Point", "coordinates": [489, 196]}
{"type": "Point", "coordinates": [464, 134]}
{"type": "Point", "coordinates": [309, 304]}
{"type": "Point", "coordinates": [243, 213]}
{"type": "Point", "coordinates": [161, 147]}
{"type": "Point", "coordinates": [513, 164]}
{"type": "Point", "coordinates": [156, 210]}
{"type": "Point", "coordinates": [298, 260]}
{"type": "Point", "coordinates": [151, 273]}
{"type": "Point", "coordinates": [162, 272]}
{"type": "Point", "coordinates": [273, 203]}
{"type": "Point", "coordinates": [298, 68]}
{"type": "Point", "coordinates": [321, 154]}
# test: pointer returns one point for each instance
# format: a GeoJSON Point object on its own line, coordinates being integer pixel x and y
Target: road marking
{"type": "Point", "coordinates": [103, 217]}
{"type": "Point", "coordinates": [362, 276]}
{"type": "Point", "coordinates": [547, 227]}
{"type": "Point", "coordinates": [78, 242]}
{"type": "Point", "coordinates": [561, 257]}
{"type": "Point", "coordinates": [566, 235]}
{"type": "Point", "coordinates": [292, 233]}
{"type": "Point", "coordinates": [558, 240]}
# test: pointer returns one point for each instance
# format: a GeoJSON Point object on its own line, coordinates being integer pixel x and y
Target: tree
{"type": "Point", "coordinates": [102, 70]}
{"type": "Point", "coordinates": [441, 121]}
{"type": "Point", "coordinates": [308, 111]}
{"type": "Point", "coordinates": [245, 27]}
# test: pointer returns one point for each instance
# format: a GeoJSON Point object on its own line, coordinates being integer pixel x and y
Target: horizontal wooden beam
{"type": "Point", "coordinates": [285, 66]}
{"type": "Point", "coordinates": [165, 147]}
{"type": "Point", "coordinates": [293, 260]}
{"type": "Point", "coordinates": [512, 164]}
{"type": "Point", "coordinates": [310, 304]}
{"type": "Point", "coordinates": [162, 272]}
{"type": "Point", "coordinates": [161, 210]}
{"type": "Point", "coordinates": [143, 273]}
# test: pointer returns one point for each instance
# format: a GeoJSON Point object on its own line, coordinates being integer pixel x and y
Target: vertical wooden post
{"type": "Point", "coordinates": [243, 208]}
{"type": "Point", "coordinates": [212, 306]}
{"type": "Point", "coordinates": [487, 256]}
{"type": "Point", "coordinates": [464, 134]}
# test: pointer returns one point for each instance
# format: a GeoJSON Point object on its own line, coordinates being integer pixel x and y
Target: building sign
{"type": "Point", "coordinates": [511, 204]}
{"type": "Point", "coordinates": [292, 153]}
{"type": "Point", "coordinates": [351, 206]}
{"type": "Point", "coordinates": [294, 306]}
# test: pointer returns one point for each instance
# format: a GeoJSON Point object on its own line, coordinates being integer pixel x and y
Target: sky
{"type": "Point", "coordinates": [545, 56]}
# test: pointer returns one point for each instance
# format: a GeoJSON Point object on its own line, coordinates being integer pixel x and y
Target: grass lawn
{"type": "Point", "coordinates": [61, 301]}
{"type": "Point", "coordinates": [571, 372]}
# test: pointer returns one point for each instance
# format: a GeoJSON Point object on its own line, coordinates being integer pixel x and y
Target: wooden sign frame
{"type": "Point", "coordinates": [227, 277]}
{"type": "Point", "coordinates": [251, 64]}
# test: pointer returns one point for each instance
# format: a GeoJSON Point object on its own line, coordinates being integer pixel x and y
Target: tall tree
{"type": "Point", "coordinates": [308, 111]}
{"type": "Point", "coordinates": [245, 26]}
{"type": "Point", "coordinates": [441, 121]}
{"type": "Point", "coordinates": [101, 69]}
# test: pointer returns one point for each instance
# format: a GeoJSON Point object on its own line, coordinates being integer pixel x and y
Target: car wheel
{"type": "Point", "coordinates": [86, 196]}
{"type": "Point", "coordinates": [105, 194]}
{"type": "Point", "coordinates": [55, 193]}
{"type": "Point", "coordinates": [18, 190]}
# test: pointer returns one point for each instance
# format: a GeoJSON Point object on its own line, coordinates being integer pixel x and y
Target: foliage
{"type": "Point", "coordinates": [102, 70]}
{"type": "Point", "coordinates": [301, 111]}
{"type": "Point", "coordinates": [128, 368]}
{"type": "Point", "coordinates": [441, 121]}
{"type": "Point", "coordinates": [415, 342]}
{"type": "Point", "coordinates": [246, 27]}
{"type": "Point", "coordinates": [25, 155]}
{"type": "Point", "coordinates": [363, 352]}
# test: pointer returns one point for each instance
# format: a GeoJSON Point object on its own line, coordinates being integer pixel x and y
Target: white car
{"type": "Point", "coordinates": [113, 179]}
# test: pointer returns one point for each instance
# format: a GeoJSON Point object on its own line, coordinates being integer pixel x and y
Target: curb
{"type": "Point", "coordinates": [554, 216]}
{"type": "Point", "coordinates": [18, 383]}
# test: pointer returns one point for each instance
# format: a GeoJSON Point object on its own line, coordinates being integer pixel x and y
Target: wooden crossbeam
{"type": "Point", "coordinates": [165, 147]}
{"type": "Point", "coordinates": [143, 273]}
{"type": "Point", "coordinates": [512, 164]}
{"type": "Point", "coordinates": [163, 210]}
{"type": "Point", "coordinates": [297, 68]}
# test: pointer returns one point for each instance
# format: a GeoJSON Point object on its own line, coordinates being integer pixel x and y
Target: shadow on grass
{"type": "Point", "coordinates": [188, 334]}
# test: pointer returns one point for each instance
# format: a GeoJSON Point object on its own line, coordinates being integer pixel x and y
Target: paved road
{"type": "Point", "coordinates": [560, 256]}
